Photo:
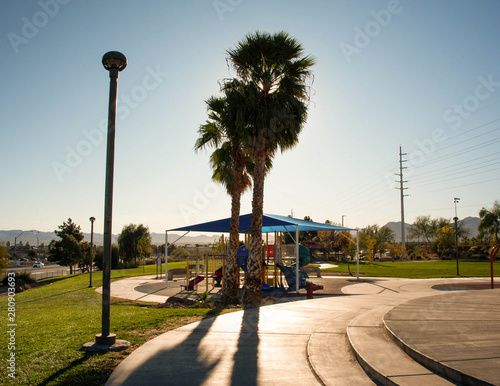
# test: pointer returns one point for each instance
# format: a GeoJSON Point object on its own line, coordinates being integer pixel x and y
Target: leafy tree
{"type": "Point", "coordinates": [445, 238]}
{"type": "Point", "coordinates": [128, 242]}
{"type": "Point", "coordinates": [32, 253]}
{"type": "Point", "coordinates": [337, 241]}
{"type": "Point", "coordinates": [115, 257]}
{"type": "Point", "coordinates": [490, 221]}
{"type": "Point", "coordinates": [179, 252]}
{"type": "Point", "coordinates": [4, 257]}
{"type": "Point", "coordinates": [272, 72]}
{"type": "Point", "coordinates": [69, 250]}
{"type": "Point", "coordinates": [308, 235]}
{"type": "Point", "coordinates": [373, 238]}
{"type": "Point", "coordinates": [229, 163]}
{"type": "Point", "coordinates": [144, 248]}
{"type": "Point", "coordinates": [423, 227]}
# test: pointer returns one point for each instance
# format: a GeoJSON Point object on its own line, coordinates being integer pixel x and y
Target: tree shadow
{"type": "Point", "coordinates": [76, 362]}
{"type": "Point", "coordinates": [245, 369]}
{"type": "Point", "coordinates": [184, 364]}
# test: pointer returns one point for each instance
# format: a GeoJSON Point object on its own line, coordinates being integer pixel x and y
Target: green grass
{"type": "Point", "coordinates": [53, 322]}
{"type": "Point", "coordinates": [420, 269]}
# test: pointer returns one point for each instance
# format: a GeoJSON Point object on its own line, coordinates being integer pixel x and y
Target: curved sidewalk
{"type": "Point", "coordinates": [301, 342]}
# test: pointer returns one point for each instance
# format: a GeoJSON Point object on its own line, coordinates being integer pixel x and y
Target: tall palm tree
{"type": "Point", "coordinates": [272, 73]}
{"type": "Point", "coordinates": [228, 163]}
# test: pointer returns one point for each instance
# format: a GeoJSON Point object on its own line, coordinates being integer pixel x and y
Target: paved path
{"type": "Point", "coordinates": [319, 341]}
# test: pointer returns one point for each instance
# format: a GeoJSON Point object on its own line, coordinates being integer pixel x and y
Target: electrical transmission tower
{"type": "Point", "coordinates": [402, 189]}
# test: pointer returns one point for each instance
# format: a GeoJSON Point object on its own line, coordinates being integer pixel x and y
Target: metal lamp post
{"type": "Point", "coordinates": [114, 62]}
{"type": "Point", "coordinates": [456, 200]}
{"type": "Point", "coordinates": [92, 219]}
{"type": "Point", "coordinates": [15, 245]}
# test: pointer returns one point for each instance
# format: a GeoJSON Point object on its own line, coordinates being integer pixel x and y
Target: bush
{"type": "Point", "coordinates": [23, 280]}
{"type": "Point", "coordinates": [114, 258]}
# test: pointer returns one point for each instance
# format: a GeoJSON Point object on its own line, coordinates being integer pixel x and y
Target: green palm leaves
{"type": "Point", "coordinates": [263, 110]}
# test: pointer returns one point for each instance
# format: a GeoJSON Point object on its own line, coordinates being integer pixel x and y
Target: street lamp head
{"type": "Point", "coordinates": [92, 219]}
{"type": "Point", "coordinates": [114, 60]}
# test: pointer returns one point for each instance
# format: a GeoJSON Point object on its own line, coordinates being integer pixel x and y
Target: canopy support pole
{"type": "Point", "coordinates": [166, 259]}
{"type": "Point", "coordinates": [357, 254]}
{"type": "Point", "coordinates": [297, 258]}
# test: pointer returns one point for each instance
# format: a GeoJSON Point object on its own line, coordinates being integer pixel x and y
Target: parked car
{"type": "Point", "coordinates": [38, 265]}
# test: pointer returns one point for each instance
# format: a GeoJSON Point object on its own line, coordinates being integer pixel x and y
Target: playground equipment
{"type": "Point", "coordinates": [290, 271]}
{"type": "Point", "coordinates": [210, 268]}
{"type": "Point", "coordinates": [273, 254]}
{"type": "Point", "coordinates": [241, 259]}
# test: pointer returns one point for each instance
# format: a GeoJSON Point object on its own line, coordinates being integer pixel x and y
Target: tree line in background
{"type": "Point", "coordinates": [134, 245]}
{"type": "Point", "coordinates": [429, 236]}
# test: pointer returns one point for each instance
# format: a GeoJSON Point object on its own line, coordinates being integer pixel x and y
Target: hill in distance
{"type": "Point", "coordinates": [46, 237]}
{"type": "Point", "coordinates": [472, 223]}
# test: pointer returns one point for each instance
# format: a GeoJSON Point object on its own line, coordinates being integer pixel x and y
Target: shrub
{"type": "Point", "coordinates": [23, 280]}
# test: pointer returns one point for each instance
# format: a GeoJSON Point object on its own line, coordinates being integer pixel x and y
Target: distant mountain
{"type": "Point", "coordinates": [471, 223]}
{"type": "Point", "coordinates": [47, 237]}
{"type": "Point", "coordinates": [396, 228]}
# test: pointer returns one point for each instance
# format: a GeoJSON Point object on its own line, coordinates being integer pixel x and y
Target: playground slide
{"type": "Point", "coordinates": [290, 273]}
{"type": "Point", "coordinates": [193, 282]}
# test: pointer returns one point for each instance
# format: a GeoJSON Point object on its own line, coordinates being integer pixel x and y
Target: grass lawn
{"type": "Point", "coordinates": [420, 269]}
{"type": "Point", "coordinates": [53, 321]}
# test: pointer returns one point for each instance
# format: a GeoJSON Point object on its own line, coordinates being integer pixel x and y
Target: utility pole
{"type": "Point", "coordinates": [402, 189]}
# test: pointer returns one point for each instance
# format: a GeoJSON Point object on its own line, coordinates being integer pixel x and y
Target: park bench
{"type": "Point", "coordinates": [308, 270]}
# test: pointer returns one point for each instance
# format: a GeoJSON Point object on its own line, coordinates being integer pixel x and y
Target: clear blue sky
{"type": "Point", "coordinates": [421, 74]}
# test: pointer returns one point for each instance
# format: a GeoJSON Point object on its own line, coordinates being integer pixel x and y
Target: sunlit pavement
{"type": "Point", "coordinates": [323, 341]}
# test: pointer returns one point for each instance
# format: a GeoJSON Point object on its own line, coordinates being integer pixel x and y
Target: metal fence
{"type": "Point", "coordinates": [52, 273]}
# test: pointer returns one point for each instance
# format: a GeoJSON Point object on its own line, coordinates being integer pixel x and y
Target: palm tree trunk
{"type": "Point", "coordinates": [230, 289]}
{"type": "Point", "coordinates": [252, 294]}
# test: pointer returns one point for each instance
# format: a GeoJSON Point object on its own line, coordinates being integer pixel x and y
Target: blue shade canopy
{"type": "Point", "coordinates": [270, 223]}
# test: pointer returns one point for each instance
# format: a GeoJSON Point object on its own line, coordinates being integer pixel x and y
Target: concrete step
{"type": "Point", "coordinates": [381, 357]}
{"type": "Point", "coordinates": [455, 334]}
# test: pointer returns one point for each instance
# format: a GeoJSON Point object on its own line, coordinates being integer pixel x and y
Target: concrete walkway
{"type": "Point", "coordinates": [329, 341]}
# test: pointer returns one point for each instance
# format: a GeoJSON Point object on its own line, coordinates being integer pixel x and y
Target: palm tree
{"type": "Point", "coordinates": [272, 72]}
{"type": "Point", "coordinates": [228, 163]}
{"type": "Point", "coordinates": [490, 220]}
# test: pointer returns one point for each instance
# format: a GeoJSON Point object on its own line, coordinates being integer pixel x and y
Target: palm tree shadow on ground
{"type": "Point", "coordinates": [183, 364]}
{"type": "Point", "coordinates": [245, 369]}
